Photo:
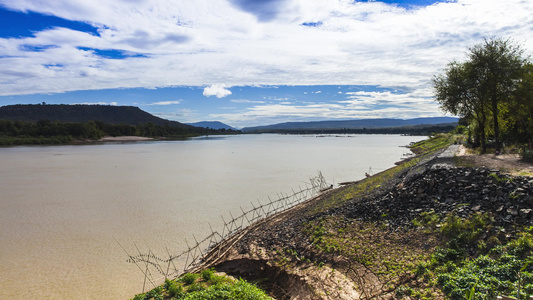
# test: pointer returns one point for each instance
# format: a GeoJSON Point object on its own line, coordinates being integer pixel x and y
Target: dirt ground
{"type": "Point", "coordinates": [260, 250]}
{"type": "Point", "coordinates": [509, 163]}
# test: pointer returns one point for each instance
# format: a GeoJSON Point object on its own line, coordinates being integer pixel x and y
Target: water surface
{"type": "Point", "coordinates": [61, 207]}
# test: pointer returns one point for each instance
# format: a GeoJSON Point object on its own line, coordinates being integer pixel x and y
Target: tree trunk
{"type": "Point", "coordinates": [496, 124]}
{"type": "Point", "coordinates": [483, 142]}
{"type": "Point", "coordinates": [482, 135]}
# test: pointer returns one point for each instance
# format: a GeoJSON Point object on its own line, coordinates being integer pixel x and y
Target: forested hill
{"type": "Point", "coordinates": [129, 115]}
{"type": "Point", "coordinates": [60, 124]}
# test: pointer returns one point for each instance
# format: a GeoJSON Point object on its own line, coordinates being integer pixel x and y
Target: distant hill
{"type": "Point", "coordinates": [129, 115]}
{"type": "Point", "coordinates": [350, 124]}
{"type": "Point", "coordinates": [212, 125]}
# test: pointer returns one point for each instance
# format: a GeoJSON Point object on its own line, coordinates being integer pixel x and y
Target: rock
{"type": "Point", "coordinates": [442, 190]}
{"type": "Point", "coordinates": [525, 212]}
{"type": "Point", "coordinates": [513, 211]}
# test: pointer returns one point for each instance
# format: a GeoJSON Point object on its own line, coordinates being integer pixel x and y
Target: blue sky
{"type": "Point", "coordinates": [245, 62]}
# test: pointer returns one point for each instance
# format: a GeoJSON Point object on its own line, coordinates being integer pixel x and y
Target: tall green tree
{"type": "Point", "coordinates": [498, 67]}
{"type": "Point", "coordinates": [458, 93]}
{"type": "Point", "coordinates": [519, 112]}
{"type": "Point", "coordinates": [491, 78]}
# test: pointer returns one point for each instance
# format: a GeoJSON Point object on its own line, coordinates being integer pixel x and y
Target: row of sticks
{"type": "Point", "coordinates": [151, 265]}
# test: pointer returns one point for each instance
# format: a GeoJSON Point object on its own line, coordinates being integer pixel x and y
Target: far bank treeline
{"type": "Point", "coordinates": [421, 130]}
{"type": "Point", "coordinates": [57, 124]}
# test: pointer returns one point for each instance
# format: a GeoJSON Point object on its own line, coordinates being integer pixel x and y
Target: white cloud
{"type": "Point", "coordinates": [356, 105]}
{"type": "Point", "coordinates": [196, 43]}
{"type": "Point", "coordinates": [246, 101]}
{"type": "Point", "coordinates": [181, 115]}
{"type": "Point", "coordinates": [165, 102]}
{"type": "Point", "coordinates": [218, 90]}
{"type": "Point", "coordinates": [277, 98]}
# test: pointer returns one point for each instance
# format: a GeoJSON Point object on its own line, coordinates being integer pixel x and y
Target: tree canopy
{"type": "Point", "coordinates": [492, 91]}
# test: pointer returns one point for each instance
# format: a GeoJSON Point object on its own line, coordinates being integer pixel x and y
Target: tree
{"type": "Point", "coordinates": [497, 65]}
{"type": "Point", "coordinates": [479, 87]}
{"type": "Point", "coordinates": [520, 111]}
{"type": "Point", "coordinates": [457, 92]}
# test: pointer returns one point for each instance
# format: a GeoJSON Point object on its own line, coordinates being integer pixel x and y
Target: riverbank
{"type": "Point", "coordinates": [125, 138]}
{"type": "Point", "coordinates": [403, 233]}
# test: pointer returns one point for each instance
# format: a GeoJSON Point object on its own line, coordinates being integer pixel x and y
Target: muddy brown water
{"type": "Point", "coordinates": [62, 207]}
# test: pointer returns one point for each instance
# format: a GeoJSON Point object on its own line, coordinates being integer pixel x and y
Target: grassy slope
{"type": "Point", "coordinates": [392, 258]}
{"type": "Point", "coordinates": [433, 259]}
{"type": "Point", "coordinates": [331, 235]}
{"type": "Point", "coordinates": [205, 286]}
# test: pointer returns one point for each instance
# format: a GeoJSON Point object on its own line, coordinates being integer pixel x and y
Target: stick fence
{"type": "Point", "coordinates": [156, 268]}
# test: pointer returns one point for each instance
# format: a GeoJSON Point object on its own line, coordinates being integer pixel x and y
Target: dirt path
{"type": "Point", "coordinates": [509, 163]}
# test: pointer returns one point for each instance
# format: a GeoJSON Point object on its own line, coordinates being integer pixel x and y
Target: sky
{"type": "Point", "coordinates": [246, 62]}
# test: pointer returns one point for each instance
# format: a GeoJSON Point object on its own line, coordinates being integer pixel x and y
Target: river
{"type": "Point", "coordinates": [62, 207]}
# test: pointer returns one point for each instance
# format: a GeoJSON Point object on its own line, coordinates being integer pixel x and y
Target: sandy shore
{"type": "Point", "coordinates": [125, 138]}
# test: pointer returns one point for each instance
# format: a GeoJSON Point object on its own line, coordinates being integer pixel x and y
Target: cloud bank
{"type": "Point", "coordinates": [149, 43]}
{"type": "Point", "coordinates": [112, 44]}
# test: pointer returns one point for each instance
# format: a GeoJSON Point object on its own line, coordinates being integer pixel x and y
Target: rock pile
{"type": "Point", "coordinates": [463, 191]}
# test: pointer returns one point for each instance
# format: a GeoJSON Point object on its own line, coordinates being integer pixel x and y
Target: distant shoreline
{"type": "Point", "coordinates": [125, 138]}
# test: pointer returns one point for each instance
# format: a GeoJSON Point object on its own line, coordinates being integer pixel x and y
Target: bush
{"type": "Point", "coordinates": [496, 272]}
{"type": "Point", "coordinates": [189, 278]}
{"type": "Point", "coordinates": [195, 287]}
{"type": "Point", "coordinates": [216, 288]}
{"type": "Point", "coordinates": [174, 289]}
{"type": "Point", "coordinates": [154, 294]}
{"type": "Point", "coordinates": [207, 274]}
{"type": "Point", "coordinates": [463, 233]}
{"type": "Point", "coordinates": [241, 290]}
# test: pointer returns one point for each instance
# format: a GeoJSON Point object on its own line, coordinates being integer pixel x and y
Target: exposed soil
{"type": "Point", "coordinates": [510, 163]}
{"type": "Point", "coordinates": [280, 254]}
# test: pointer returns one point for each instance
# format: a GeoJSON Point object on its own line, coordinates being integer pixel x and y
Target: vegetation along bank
{"type": "Point", "coordinates": [428, 228]}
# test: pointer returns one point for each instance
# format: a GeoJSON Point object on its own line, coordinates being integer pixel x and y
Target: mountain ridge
{"type": "Point", "coordinates": [352, 124]}
{"type": "Point", "coordinates": [212, 125]}
{"type": "Point", "coordinates": [77, 113]}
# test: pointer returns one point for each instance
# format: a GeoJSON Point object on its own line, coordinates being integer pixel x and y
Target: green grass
{"type": "Point", "coordinates": [494, 273]}
{"type": "Point", "coordinates": [472, 263]}
{"type": "Point", "coordinates": [204, 286]}
{"type": "Point", "coordinates": [392, 257]}
{"type": "Point", "coordinates": [435, 143]}
{"type": "Point", "coordinates": [461, 258]}
{"type": "Point", "coordinates": [361, 188]}
{"type": "Point", "coordinates": [368, 185]}
{"type": "Point", "coordinates": [445, 256]}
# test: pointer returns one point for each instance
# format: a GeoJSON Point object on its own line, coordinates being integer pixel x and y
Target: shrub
{"type": "Point", "coordinates": [241, 290]}
{"type": "Point", "coordinates": [174, 289]}
{"type": "Point", "coordinates": [139, 297]}
{"type": "Point", "coordinates": [195, 287]}
{"type": "Point", "coordinates": [207, 274]}
{"type": "Point", "coordinates": [189, 278]}
{"type": "Point", "coordinates": [497, 272]}
{"type": "Point", "coordinates": [155, 294]}
{"type": "Point", "coordinates": [219, 280]}
{"type": "Point", "coordinates": [463, 233]}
